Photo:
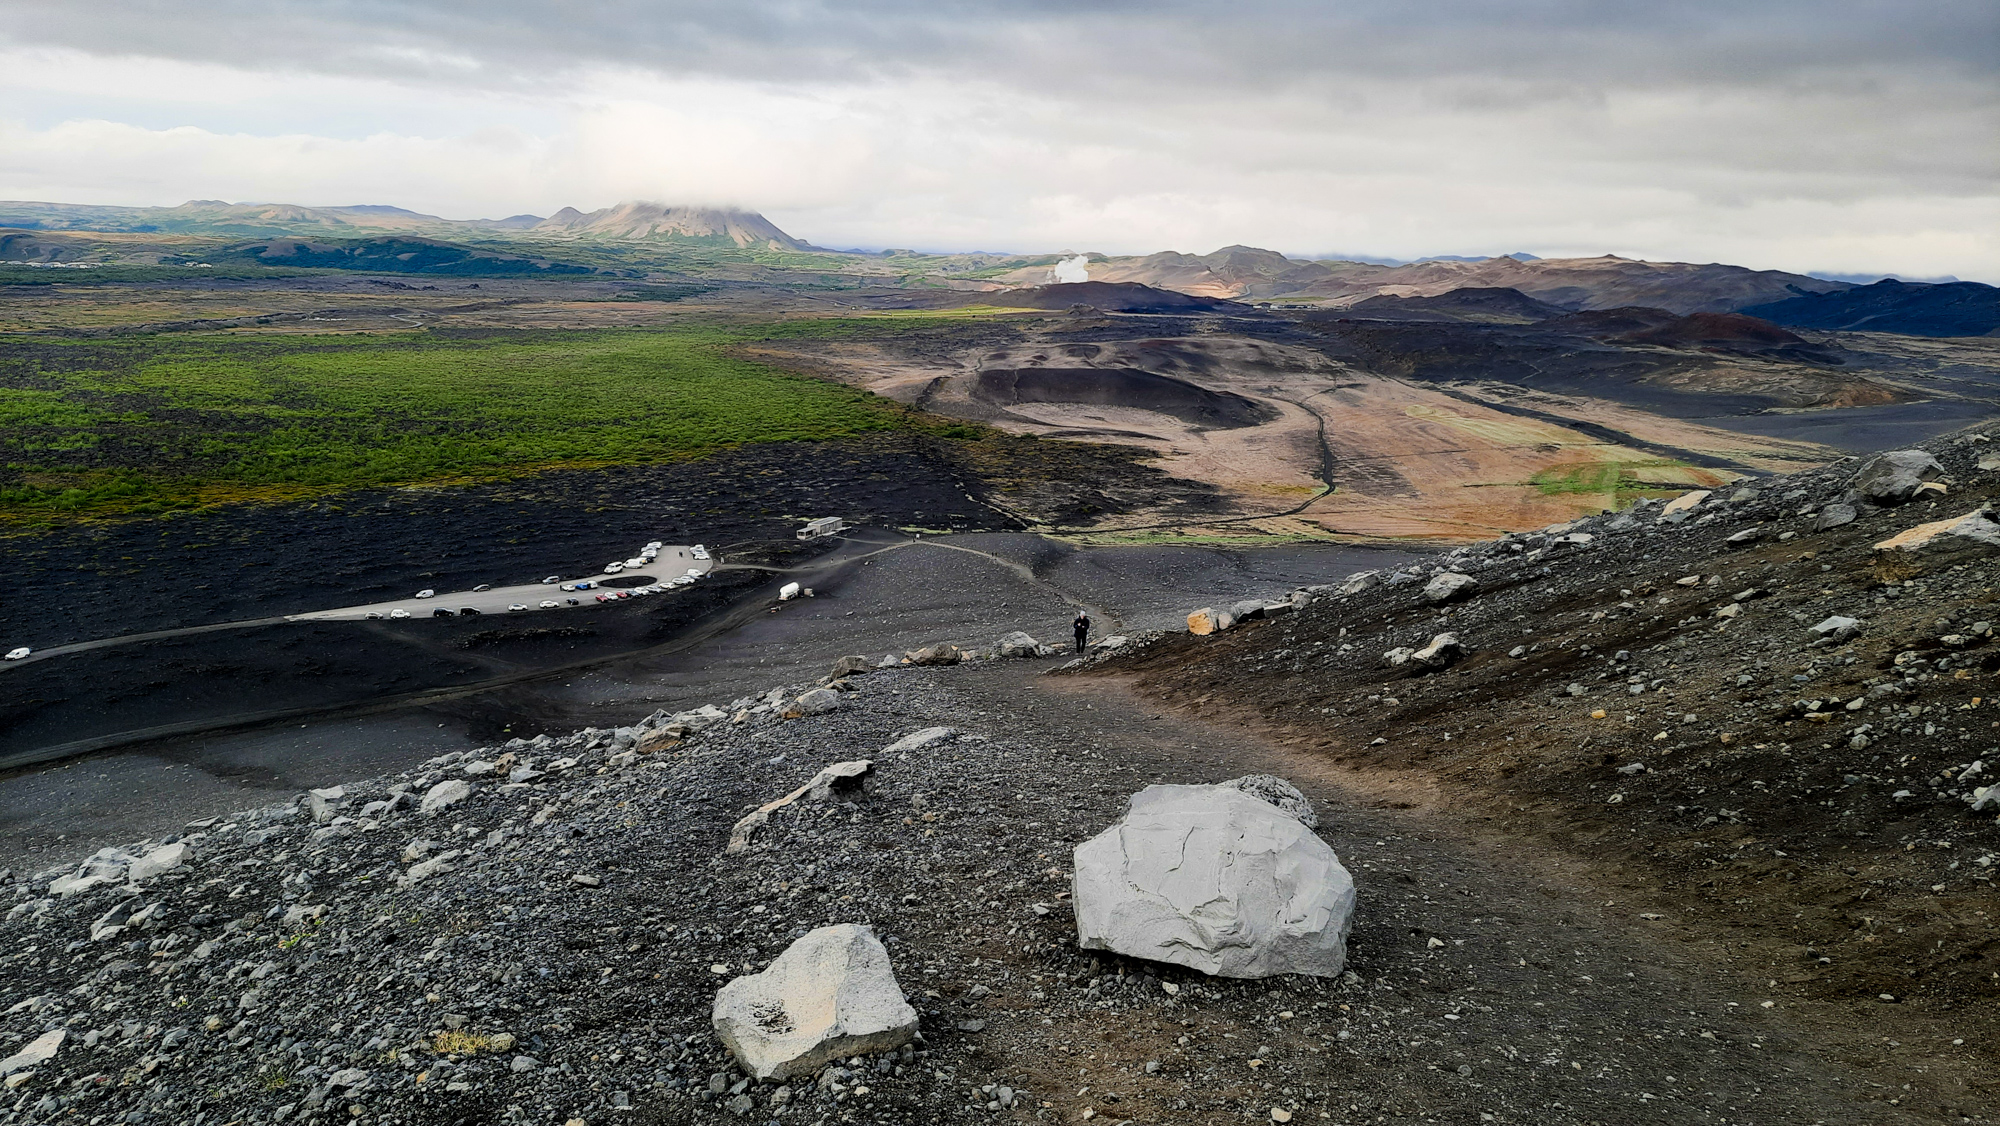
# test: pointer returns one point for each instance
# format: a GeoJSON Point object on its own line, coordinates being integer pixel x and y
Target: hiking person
{"type": "Point", "coordinates": [1082, 626]}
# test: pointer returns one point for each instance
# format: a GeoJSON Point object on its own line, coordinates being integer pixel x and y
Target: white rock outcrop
{"type": "Point", "coordinates": [1212, 878]}
{"type": "Point", "coordinates": [830, 995]}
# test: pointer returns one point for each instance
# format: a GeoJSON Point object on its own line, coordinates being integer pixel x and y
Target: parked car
{"type": "Point", "coordinates": [551, 579]}
{"type": "Point", "coordinates": [374, 615]}
{"type": "Point", "coordinates": [19, 653]}
{"type": "Point", "coordinates": [623, 594]}
{"type": "Point", "coordinates": [604, 598]}
{"type": "Point", "coordinates": [482, 587]}
{"type": "Point", "coordinates": [655, 546]}
{"type": "Point", "coordinates": [613, 568]}
{"type": "Point", "coordinates": [636, 561]}
{"type": "Point", "coordinates": [427, 593]}
{"type": "Point", "coordinates": [441, 612]}
{"type": "Point", "coordinates": [518, 606]}
{"type": "Point", "coordinates": [399, 613]}
{"type": "Point", "coordinates": [585, 585]}
{"type": "Point", "coordinates": [549, 603]}
{"type": "Point", "coordinates": [467, 612]}
{"type": "Point", "coordinates": [571, 602]}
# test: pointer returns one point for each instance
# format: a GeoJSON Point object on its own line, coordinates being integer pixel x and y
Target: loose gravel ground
{"type": "Point", "coordinates": [546, 950]}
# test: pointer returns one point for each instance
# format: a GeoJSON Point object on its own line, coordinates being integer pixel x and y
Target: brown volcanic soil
{"type": "Point", "coordinates": [1673, 753]}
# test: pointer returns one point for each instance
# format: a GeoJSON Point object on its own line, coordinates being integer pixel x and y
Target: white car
{"type": "Point", "coordinates": [551, 580]}
{"type": "Point", "coordinates": [427, 593]}
{"type": "Point", "coordinates": [655, 546]}
{"type": "Point", "coordinates": [399, 613]}
{"type": "Point", "coordinates": [613, 568]}
{"type": "Point", "coordinates": [636, 561]}
{"type": "Point", "coordinates": [699, 552]}
{"type": "Point", "coordinates": [694, 572]}
{"type": "Point", "coordinates": [550, 604]}
{"type": "Point", "coordinates": [17, 654]}
{"type": "Point", "coordinates": [518, 606]}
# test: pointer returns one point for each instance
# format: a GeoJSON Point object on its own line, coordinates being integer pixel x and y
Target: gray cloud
{"type": "Point", "coordinates": [1818, 133]}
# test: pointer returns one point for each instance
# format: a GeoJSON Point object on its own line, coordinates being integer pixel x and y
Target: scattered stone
{"type": "Point", "coordinates": [1833, 516]}
{"type": "Point", "coordinates": [1444, 650]}
{"type": "Point", "coordinates": [935, 655]}
{"type": "Point", "coordinates": [1747, 535]}
{"type": "Point", "coordinates": [852, 666]}
{"type": "Point", "coordinates": [1278, 792]}
{"type": "Point", "coordinates": [1214, 879]}
{"type": "Point", "coordinates": [1893, 477]}
{"type": "Point", "coordinates": [1450, 587]}
{"type": "Point", "coordinates": [165, 858]}
{"type": "Point", "coordinates": [820, 789]}
{"type": "Point", "coordinates": [445, 794]}
{"type": "Point", "coordinates": [1018, 644]}
{"type": "Point", "coordinates": [1977, 533]}
{"type": "Point", "coordinates": [1206, 621]}
{"type": "Point", "coordinates": [1837, 628]}
{"type": "Point", "coordinates": [832, 994]}
{"type": "Point", "coordinates": [818, 701]}
{"type": "Point", "coordinates": [918, 740]}
{"type": "Point", "coordinates": [39, 1051]}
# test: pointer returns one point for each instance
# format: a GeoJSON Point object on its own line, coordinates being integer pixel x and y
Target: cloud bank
{"type": "Point", "coordinates": [1836, 135]}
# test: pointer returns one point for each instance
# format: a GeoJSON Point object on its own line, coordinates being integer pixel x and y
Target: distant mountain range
{"type": "Point", "coordinates": [1915, 309]}
{"type": "Point", "coordinates": [1515, 288]}
{"type": "Point", "coordinates": [629, 220]}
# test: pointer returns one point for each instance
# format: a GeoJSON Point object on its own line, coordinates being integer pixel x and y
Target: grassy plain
{"type": "Point", "coordinates": [146, 424]}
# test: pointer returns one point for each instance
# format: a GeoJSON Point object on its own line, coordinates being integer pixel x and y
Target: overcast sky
{"type": "Point", "coordinates": [1822, 135]}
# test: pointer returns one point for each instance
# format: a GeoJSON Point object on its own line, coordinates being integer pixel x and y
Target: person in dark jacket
{"type": "Point", "coordinates": [1082, 626]}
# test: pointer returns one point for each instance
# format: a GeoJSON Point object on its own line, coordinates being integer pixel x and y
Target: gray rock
{"type": "Point", "coordinates": [852, 666]}
{"type": "Point", "coordinates": [1450, 587]}
{"type": "Point", "coordinates": [1893, 477]}
{"type": "Point", "coordinates": [1837, 628]}
{"type": "Point", "coordinates": [935, 655]}
{"type": "Point", "coordinates": [1018, 644]}
{"type": "Point", "coordinates": [38, 1051]}
{"type": "Point", "coordinates": [1359, 581]}
{"type": "Point", "coordinates": [830, 995]}
{"type": "Point", "coordinates": [445, 794]}
{"type": "Point", "coordinates": [1443, 651]}
{"type": "Point", "coordinates": [918, 740]}
{"type": "Point", "coordinates": [1747, 535]}
{"type": "Point", "coordinates": [1208, 620]}
{"type": "Point", "coordinates": [163, 859]}
{"type": "Point", "coordinates": [818, 701]}
{"type": "Point", "coordinates": [1278, 792]}
{"type": "Point", "coordinates": [1833, 516]}
{"type": "Point", "coordinates": [1975, 534]}
{"type": "Point", "coordinates": [524, 1064]}
{"type": "Point", "coordinates": [1211, 878]}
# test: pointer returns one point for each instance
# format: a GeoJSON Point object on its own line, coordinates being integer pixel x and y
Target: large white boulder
{"type": "Point", "coordinates": [1215, 879]}
{"type": "Point", "coordinates": [830, 995]}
